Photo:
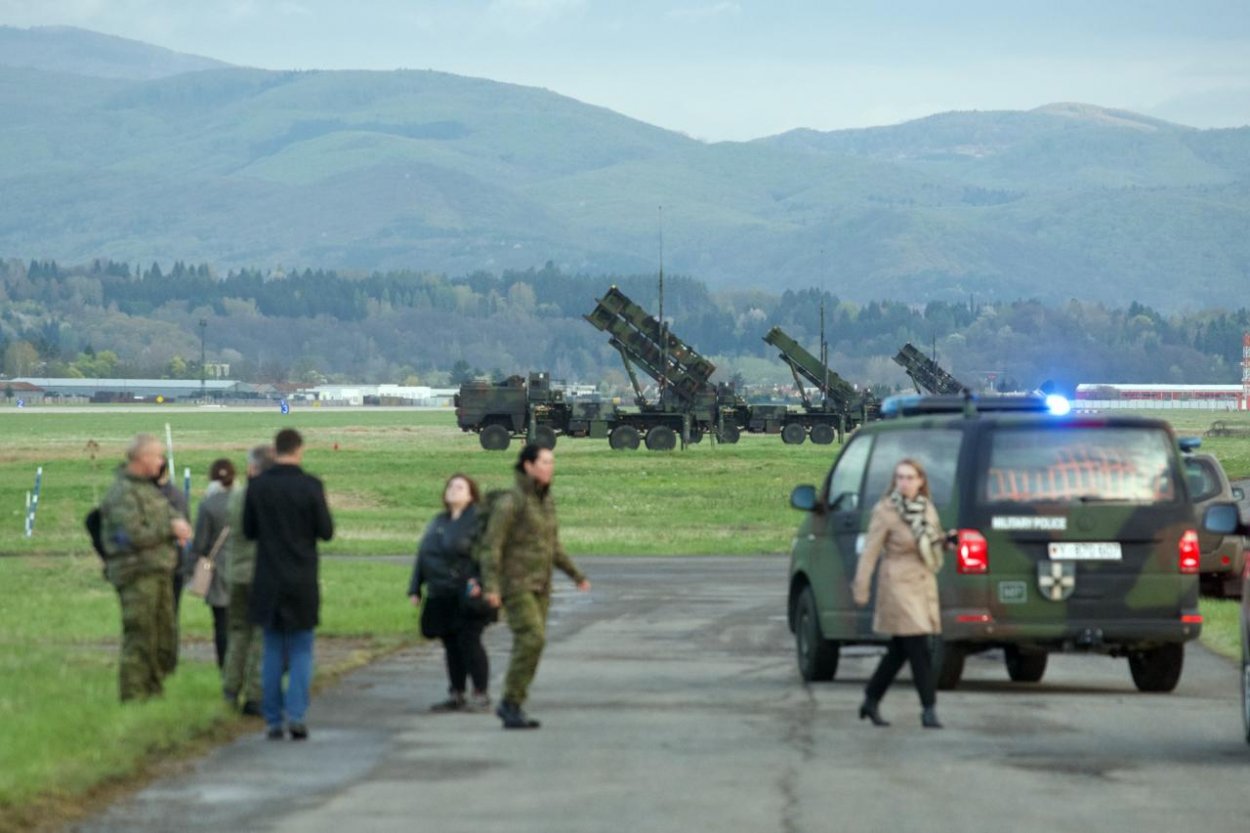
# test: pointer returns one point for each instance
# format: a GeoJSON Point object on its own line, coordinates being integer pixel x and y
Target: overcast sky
{"type": "Point", "coordinates": [720, 69]}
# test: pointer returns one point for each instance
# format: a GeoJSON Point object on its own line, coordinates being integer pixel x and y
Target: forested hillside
{"type": "Point", "coordinates": [111, 319]}
{"type": "Point", "coordinates": [395, 171]}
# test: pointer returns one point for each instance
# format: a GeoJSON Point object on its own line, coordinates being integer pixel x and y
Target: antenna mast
{"type": "Point", "coordinates": [663, 332]}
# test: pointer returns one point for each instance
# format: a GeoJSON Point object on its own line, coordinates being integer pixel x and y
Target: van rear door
{"type": "Point", "coordinates": [1083, 522]}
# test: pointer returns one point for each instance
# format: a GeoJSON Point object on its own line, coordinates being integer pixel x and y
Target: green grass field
{"type": "Point", "coordinates": [64, 739]}
{"type": "Point", "coordinates": [385, 479]}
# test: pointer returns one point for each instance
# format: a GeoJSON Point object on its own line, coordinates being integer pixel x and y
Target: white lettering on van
{"type": "Point", "coordinates": [1029, 522]}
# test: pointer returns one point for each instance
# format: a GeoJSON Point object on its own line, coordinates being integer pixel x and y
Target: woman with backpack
{"type": "Point", "coordinates": [453, 611]}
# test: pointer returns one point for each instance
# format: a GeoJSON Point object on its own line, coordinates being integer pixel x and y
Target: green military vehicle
{"type": "Point", "coordinates": [688, 406]}
{"type": "Point", "coordinates": [530, 407]}
{"type": "Point", "coordinates": [840, 407]}
{"type": "Point", "coordinates": [926, 374]}
{"type": "Point", "coordinates": [1071, 534]}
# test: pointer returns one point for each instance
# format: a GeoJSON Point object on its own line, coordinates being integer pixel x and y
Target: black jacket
{"type": "Point", "coordinates": [285, 513]}
{"type": "Point", "coordinates": [443, 556]}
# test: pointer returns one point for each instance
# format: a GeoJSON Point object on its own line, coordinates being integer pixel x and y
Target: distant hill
{"type": "Point", "coordinates": [81, 52]}
{"type": "Point", "coordinates": [426, 170]}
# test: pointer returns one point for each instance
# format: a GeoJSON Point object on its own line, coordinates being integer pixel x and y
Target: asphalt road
{"type": "Point", "coordinates": [670, 702]}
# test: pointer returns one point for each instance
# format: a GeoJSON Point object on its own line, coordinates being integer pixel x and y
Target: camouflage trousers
{"type": "Point", "coordinates": [240, 675]}
{"type": "Point", "coordinates": [149, 650]}
{"type": "Point", "coordinates": [527, 619]}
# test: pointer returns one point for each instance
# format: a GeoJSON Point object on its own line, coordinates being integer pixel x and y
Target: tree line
{"type": "Point", "coordinates": [108, 318]}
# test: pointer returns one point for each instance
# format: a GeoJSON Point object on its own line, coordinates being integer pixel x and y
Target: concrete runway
{"type": "Point", "coordinates": [670, 702]}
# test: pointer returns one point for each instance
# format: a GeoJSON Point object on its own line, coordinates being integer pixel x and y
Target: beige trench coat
{"type": "Point", "coordinates": [907, 593]}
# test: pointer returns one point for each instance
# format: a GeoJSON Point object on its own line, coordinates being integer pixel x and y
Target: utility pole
{"type": "Point", "coordinates": [203, 370]}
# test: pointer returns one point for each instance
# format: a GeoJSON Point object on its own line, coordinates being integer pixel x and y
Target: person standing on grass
{"type": "Point", "coordinates": [445, 567]}
{"type": "Point", "coordinates": [285, 513]}
{"type": "Point", "coordinates": [241, 674]}
{"type": "Point", "coordinates": [524, 544]}
{"type": "Point", "coordinates": [212, 532]}
{"type": "Point", "coordinates": [140, 530]}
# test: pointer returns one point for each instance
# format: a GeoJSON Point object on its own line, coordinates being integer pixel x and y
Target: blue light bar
{"type": "Point", "coordinates": [1058, 404]}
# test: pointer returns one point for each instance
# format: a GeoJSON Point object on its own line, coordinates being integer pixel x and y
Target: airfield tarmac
{"type": "Point", "coordinates": [670, 702]}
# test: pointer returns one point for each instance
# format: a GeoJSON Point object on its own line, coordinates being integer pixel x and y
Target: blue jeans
{"type": "Point", "coordinates": [290, 652]}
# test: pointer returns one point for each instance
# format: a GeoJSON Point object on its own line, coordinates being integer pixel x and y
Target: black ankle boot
{"type": "Point", "coordinates": [929, 719]}
{"type": "Point", "coordinates": [869, 711]}
{"type": "Point", "coordinates": [513, 717]}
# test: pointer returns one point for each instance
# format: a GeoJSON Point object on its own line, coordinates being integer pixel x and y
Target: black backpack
{"type": "Point", "coordinates": [94, 526]}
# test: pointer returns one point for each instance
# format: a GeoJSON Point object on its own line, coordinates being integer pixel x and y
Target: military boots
{"type": "Point", "coordinates": [513, 717]}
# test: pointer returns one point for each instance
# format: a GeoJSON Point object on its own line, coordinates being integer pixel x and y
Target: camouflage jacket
{"type": "Point", "coordinates": [523, 542]}
{"type": "Point", "coordinates": [135, 520]}
{"type": "Point", "coordinates": [238, 554]}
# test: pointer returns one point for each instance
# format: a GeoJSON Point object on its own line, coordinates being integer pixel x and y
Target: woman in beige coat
{"type": "Point", "coordinates": [905, 536]}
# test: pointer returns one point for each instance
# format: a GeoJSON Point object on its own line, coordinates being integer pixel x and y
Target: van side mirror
{"type": "Point", "coordinates": [1239, 494]}
{"type": "Point", "coordinates": [804, 498]}
{"type": "Point", "coordinates": [1222, 519]}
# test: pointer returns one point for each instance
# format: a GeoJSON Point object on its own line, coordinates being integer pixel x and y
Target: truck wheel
{"type": "Point", "coordinates": [661, 438]}
{"type": "Point", "coordinates": [793, 434]}
{"type": "Point", "coordinates": [948, 664]}
{"type": "Point", "coordinates": [495, 438]}
{"type": "Point", "coordinates": [817, 656]}
{"type": "Point", "coordinates": [823, 434]}
{"type": "Point", "coordinates": [1158, 669]}
{"type": "Point", "coordinates": [696, 436]}
{"type": "Point", "coordinates": [623, 438]}
{"type": "Point", "coordinates": [729, 434]}
{"type": "Point", "coordinates": [1025, 668]}
{"type": "Point", "coordinates": [545, 436]}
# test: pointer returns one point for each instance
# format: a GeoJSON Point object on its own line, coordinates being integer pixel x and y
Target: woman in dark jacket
{"type": "Point", "coordinates": [445, 567]}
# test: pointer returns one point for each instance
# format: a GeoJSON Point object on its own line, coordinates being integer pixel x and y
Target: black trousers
{"type": "Point", "coordinates": [465, 655]}
{"type": "Point", "coordinates": [221, 632]}
{"type": "Point", "coordinates": [915, 650]}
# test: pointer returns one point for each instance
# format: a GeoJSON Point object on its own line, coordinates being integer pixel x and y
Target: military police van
{"type": "Point", "coordinates": [1069, 532]}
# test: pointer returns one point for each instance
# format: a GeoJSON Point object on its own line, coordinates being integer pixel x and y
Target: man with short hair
{"type": "Point", "coordinates": [139, 529]}
{"type": "Point", "coordinates": [241, 673]}
{"type": "Point", "coordinates": [285, 513]}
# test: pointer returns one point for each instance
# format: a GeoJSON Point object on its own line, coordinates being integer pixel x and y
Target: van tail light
{"type": "Point", "coordinates": [1190, 552]}
{"type": "Point", "coordinates": [1191, 619]}
{"type": "Point", "coordinates": [973, 553]}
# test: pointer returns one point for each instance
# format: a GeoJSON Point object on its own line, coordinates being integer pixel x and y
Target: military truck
{"type": "Point", "coordinates": [530, 407]}
{"type": "Point", "coordinates": [1069, 534]}
{"type": "Point", "coordinates": [926, 374]}
{"type": "Point", "coordinates": [688, 404]}
{"type": "Point", "coordinates": [840, 407]}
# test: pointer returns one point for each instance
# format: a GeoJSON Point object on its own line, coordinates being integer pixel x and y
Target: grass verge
{"type": "Point", "coordinates": [67, 746]}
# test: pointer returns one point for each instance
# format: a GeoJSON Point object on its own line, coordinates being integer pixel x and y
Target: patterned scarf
{"type": "Point", "coordinates": [928, 540]}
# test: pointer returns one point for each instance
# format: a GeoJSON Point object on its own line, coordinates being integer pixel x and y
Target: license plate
{"type": "Point", "coordinates": [1086, 551]}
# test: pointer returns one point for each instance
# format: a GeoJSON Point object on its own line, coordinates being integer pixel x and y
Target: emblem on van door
{"type": "Point", "coordinates": [1056, 579]}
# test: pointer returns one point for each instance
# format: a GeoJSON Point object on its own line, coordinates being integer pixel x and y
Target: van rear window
{"type": "Point", "coordinates": [1035, 465]}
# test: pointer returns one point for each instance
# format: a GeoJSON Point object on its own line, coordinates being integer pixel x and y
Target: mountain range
{"type": "Point", "coordinates": [116, 149]}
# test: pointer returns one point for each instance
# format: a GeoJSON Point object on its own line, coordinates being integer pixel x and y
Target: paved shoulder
{"type": "Point", "coordinates": [670, 702]}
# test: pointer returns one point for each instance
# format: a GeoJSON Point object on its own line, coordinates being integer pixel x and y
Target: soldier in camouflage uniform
{"type": "Point", "coordinates": [139, 529]}
{"type": "Point", "coordinates": [524, 545]}
{"type": "Point", "coordinates": [241, 672]}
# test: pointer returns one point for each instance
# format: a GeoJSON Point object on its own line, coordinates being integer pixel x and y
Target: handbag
{"type": "Point", "coordinates": [202, 577]}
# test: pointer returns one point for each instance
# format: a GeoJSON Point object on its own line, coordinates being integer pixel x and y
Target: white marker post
{"type": "Point", "coordinates": [32, 503]}
{"type": "Point", "coordinates": [186, 486]}
{"type": "Point", "coordinates": [169, 450]}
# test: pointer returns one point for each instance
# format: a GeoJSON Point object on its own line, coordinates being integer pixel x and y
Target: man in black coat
{"type": "Point", "coordinates": [285, 512]}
